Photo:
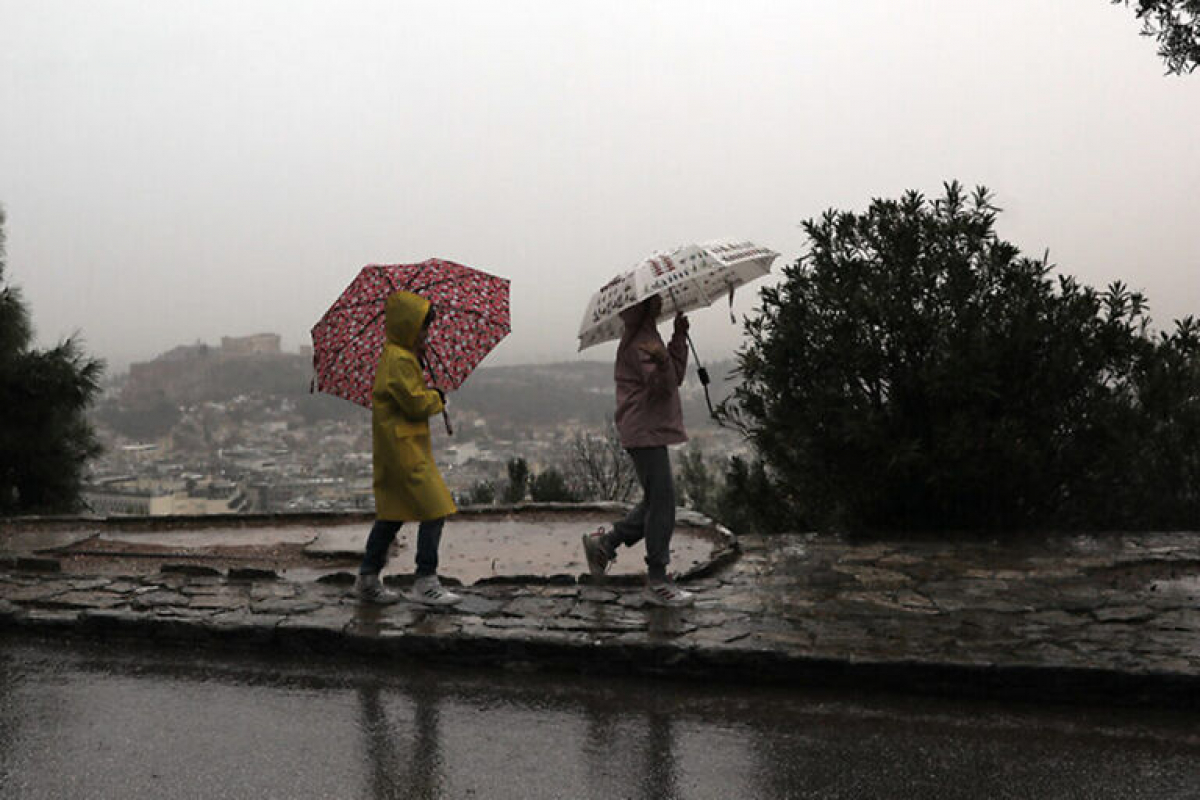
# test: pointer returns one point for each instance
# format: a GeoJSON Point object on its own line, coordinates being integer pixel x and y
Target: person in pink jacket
{"type": "Point", "coordinates": [649, 418]}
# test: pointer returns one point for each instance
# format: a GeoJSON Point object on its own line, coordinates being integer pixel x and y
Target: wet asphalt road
{"type": "Point", "coordinates": [91, 722]}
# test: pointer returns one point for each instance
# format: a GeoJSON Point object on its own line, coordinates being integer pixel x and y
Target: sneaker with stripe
{"type": "Point", "coordinates": [370, 589]}
{"type": "Point", "coordinates": [666, 593]}
{"type": "Point", "coordinates": [599, 558]}
{"type": "Point", "coordinates": [428, 590]}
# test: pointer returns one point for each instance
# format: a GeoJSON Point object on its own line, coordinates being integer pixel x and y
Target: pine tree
{"type": "Point", "coordinates": [518, 481]}
{"type": "Point", "coordinates": [45, 436]}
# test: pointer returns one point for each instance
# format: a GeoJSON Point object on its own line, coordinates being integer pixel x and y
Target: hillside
{"type": "Point", "coordinates": [568, 393]}
{"type": "Point", "coordinates": [580, 392]}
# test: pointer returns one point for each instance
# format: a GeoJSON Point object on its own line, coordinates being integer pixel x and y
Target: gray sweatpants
{"type": "Point", "coordinates": [653, 519]}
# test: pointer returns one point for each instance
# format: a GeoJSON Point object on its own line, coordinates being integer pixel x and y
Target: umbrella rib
{"type": "Point", "coordinates": [366, 326]}
{"type": "Point", "coordinates": [438, 358]}
{"type": "Point", "coordinates": [373, 301]}
{"type": "Point", "coordinates": [334, 354]}
{"type": "Point", "coordinates": [452, 279]}
{"type": "Point", "coordinates": [483, 315]}
{"type": "Point", "coordinates": [359, 304]}
{"type": "Point", "coordinates": [480, 314]}
{"type": "Point", "coordinates": [377, 299]}
{"type": "Point", "coordinates": [456, 309]}
{"type": "Point", "coordinates": [420, 289]}
{"type": "Point", "coordinates": [700, 288]}
{"type": "Point", "coordinates": [391, 283]}
{"type": "Point", "coordinates": [408, 287]}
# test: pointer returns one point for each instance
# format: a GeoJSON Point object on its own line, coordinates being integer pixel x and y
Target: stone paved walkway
{"type": "Point", "coordinates": [1115, 618]}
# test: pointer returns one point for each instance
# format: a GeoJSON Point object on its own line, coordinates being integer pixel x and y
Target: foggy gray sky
{"type": "Point", "coordinates": [178, 171]}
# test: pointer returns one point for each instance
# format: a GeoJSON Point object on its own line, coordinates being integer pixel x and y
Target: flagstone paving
{"type": "Point", "coordinates": [1116, 616]}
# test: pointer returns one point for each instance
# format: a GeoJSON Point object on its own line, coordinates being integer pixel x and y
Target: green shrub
{"type": "Point", "coordinates": [914, 371]}
{"type": "Point", "coordinates": [551, 486]}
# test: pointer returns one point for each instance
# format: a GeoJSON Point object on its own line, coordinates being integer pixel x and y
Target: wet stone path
{"type": "Point", "coordinates": [1115, 616]}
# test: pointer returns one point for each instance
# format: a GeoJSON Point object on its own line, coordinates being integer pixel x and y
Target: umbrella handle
{"type": "Point", "coordinates": [703, 374]}
{"type": "Point", "coordinates": [445, 416]}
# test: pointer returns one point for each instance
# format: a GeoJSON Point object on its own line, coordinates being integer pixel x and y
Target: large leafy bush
{"type": "Point", "coordinates": [915, 371]}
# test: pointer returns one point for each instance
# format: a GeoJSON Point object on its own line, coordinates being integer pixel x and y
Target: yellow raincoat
{"type": "Point", "coordinates": [408, 486]}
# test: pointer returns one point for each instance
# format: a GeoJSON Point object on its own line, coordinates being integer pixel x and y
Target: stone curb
{"type": "Point", "coordinates": [1106, 622]}
{"type": "Point", "coordinates": [287, 519]}
{"type": "Point", "coordinates": [580, 653]}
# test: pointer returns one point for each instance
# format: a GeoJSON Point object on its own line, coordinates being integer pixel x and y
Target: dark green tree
{"type": "Point", "coordinates": [518, 481]}
{"type": "Point", "coordinates": [1175, 24]}
{"type": "Point", "coordinates": [1164, 445]}
{"type": "Point", "coordinates": [747, 501]}
{"type": "Point", "coordinates": [915, 371]}
{"type": "Point", "coordinates": [45, 436]}
{"type": "Point", "coordinates": [695, 482]}
{"type": "Point", "coordinates": [733, 491]}
{"type": "Point", "coordinates": [481, 493]}
{"type": "Point", "coordinates": [550, 486]}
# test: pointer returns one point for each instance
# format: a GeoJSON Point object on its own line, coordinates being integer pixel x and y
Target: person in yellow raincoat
{"type": "Point", "coordinates": [408, 486]}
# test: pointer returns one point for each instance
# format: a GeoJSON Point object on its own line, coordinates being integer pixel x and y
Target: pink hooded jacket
{"type": "Point", "coordinates": [648, 409]}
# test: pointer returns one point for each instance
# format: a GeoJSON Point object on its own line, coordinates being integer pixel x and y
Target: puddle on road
{"type": "Point", "coordinates": [472, 550]}
{"type": "Point", "coordinates": [474, 546]}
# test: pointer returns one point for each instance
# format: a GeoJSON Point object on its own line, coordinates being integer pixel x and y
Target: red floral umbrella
{"type": "Point", "coordinates": [472, 317]}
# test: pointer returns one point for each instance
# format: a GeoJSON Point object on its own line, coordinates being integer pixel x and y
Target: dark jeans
{"type": "Point", "coordinates": [383, 533]}
{"type": "Point", "coordinates": [653, 519]}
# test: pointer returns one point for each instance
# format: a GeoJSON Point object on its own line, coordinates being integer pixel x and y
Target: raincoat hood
{"type": "Point", "coordinates": [405, 312]}
{"type": "Point", "coordinates": [635, 317]}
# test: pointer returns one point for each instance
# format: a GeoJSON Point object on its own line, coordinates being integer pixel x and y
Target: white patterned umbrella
{"type": "Point", "coordinates": [687, 278]}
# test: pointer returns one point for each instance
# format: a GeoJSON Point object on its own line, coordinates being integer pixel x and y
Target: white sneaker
{"type": "Point", "coordinates": [666, 593]}
{"type": "Point", "coordinates": [596, 551]}
{"type": "Point", "coordinates": [427, 590]}
{"type": "Point", "coordinates": [371, 590]}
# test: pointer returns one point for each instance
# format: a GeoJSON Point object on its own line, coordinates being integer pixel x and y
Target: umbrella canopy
{"type": "Point", "coordinates": [689, 277]}
{"type": "Point", "coordinates": [472, 317]}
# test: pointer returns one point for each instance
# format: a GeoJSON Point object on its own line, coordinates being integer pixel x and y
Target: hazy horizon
{"type": "Point", "coordinates": [174, 172]}
{"type": "Point", "coordinates": [118, 368]}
